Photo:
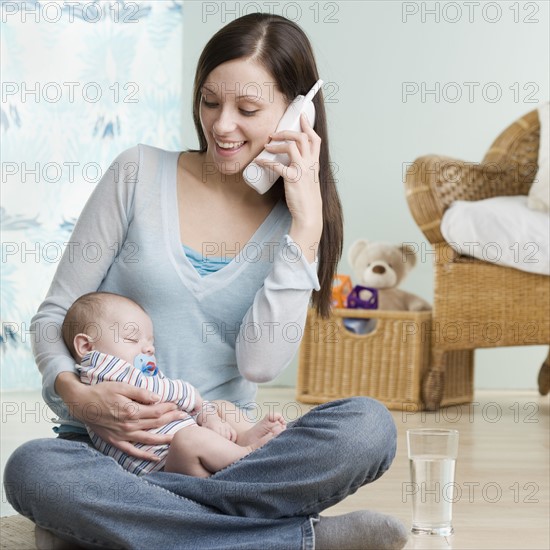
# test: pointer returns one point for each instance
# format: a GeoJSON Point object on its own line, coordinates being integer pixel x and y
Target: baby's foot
{"type": "Point", "coordinates": [267, 428]}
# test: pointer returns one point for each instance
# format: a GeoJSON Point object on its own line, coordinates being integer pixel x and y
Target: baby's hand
{"type": "Point", "coordinates": [198, 404]}
{"type": "Point", "coordinates": [225, 430]}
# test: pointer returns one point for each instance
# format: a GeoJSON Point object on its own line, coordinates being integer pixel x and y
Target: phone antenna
{"type": "Point", "coordinates": [314, 90]}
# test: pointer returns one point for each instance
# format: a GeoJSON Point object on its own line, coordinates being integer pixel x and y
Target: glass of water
{"type": "Point", "coordinates": [432, 459]}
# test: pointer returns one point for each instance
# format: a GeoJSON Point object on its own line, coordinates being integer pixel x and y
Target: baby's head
{"type": "Point", "coordinates": [108, 323]}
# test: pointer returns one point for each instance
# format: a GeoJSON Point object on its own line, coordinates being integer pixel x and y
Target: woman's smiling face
{"type": "Point", "coordinates": [240, 107]}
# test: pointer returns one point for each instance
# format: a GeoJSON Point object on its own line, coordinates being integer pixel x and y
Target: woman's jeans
{"type": "Point", "coordinates": [269, 499]}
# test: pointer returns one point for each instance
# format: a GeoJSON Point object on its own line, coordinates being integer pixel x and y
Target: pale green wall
{"type": "Point", "coordinates": [367, 52]}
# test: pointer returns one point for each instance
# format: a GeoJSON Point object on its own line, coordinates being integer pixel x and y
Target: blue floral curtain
{"type": "Point", "coordinates": [81, 82]}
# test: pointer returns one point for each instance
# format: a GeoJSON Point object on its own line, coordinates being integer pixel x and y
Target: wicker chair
{"type": "Point", "coordinates": [479, 304]}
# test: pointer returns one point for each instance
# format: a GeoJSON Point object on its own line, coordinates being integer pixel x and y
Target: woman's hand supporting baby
{"type": "Point", "coordinates": [118, 412]}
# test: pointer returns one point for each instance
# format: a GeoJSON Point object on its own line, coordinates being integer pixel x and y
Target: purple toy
{"type": "Point", "coordinates": [363, 297]}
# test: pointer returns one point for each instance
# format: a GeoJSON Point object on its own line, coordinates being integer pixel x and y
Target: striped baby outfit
{"type": "Point", "coordinates": [99, 367]}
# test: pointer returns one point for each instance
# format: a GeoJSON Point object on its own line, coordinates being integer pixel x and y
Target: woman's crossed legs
{"type": "Point", "coordinates": [268, 499]}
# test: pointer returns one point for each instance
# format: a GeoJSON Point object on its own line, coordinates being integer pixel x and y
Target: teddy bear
{"type": "Point", "coordinates": [383, 266]}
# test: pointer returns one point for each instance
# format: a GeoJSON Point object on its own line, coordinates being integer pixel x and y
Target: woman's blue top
{"type": "Point", "coordinates": [205, 264]}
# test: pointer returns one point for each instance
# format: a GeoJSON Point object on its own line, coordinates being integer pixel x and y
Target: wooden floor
{"type": "Point", "coordinates": [502, 470]}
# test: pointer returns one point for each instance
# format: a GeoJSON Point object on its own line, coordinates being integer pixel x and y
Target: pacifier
{"type": "Point", "coordinates": [147, 364]}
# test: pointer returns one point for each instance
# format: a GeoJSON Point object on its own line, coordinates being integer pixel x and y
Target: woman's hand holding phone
{"type": "Point", "coordinates": [302, 186]}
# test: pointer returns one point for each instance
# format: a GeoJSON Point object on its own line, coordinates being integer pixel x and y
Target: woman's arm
{"type": "Point", "coordinates": [280, 310]}
{"type": "Point", "coordinates": [280, 306]}
{"type": "Point", "coordinates": [96, 242]}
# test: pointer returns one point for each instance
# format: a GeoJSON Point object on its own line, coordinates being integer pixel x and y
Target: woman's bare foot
{"type": "Point", "coordinates": [267, 428]}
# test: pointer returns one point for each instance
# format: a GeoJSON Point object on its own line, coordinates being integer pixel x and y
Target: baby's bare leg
{"type": "Point", "coordinates": [248, 431]}
{"type": "Point", "coordinates": [200, 452]}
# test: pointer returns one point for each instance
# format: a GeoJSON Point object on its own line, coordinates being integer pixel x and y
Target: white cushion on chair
{"type": "Point", "coordinates": [501, 230]}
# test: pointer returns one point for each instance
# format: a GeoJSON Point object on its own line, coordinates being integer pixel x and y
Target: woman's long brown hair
{"type": "Point", "coordinates": [284, 50]}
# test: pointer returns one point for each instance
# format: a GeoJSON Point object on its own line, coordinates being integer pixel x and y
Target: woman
{"type": "Point", "coordinates": [221, 322]}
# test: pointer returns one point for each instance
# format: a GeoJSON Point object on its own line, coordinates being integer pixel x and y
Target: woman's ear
{"type": "Point", "coordinates": [82, 345]}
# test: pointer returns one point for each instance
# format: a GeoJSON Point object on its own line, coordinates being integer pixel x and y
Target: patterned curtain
{"type": "Point", "coordinates": [81, 82]}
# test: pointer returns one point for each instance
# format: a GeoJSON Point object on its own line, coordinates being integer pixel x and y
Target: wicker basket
{"type": "Point", "coordinates": [386, 364]}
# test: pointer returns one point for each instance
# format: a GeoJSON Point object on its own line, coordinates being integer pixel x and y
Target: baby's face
{"type": "Point", "coordinates": [125, 331]}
